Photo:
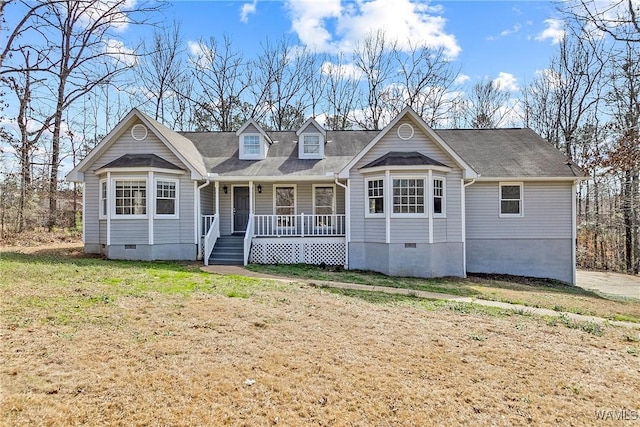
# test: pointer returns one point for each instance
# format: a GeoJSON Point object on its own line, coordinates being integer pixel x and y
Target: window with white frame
{"type": "Point", "coordinates": [251, 145]}
{"type": "Point", "coordinates": [130, 197]}
{"type": "Point", "coordinates": [166, 197]}
{"type": "Point", "coordinates": [324, 205]}
{"type": "Point", "coordinates": [438, 197]}
{"type": "Point", "coordinates": [408, 196]}
{"type": "Point", "coordinates": [311, 144]}
{"type": "Point", "coordinates": [375, 196]}
{"type": "Point", "coordinates": [511, 199]}
{"type": "Point", "coordinates": [103, 198]}
{"type": "Point", "coordinates": [285, 204]}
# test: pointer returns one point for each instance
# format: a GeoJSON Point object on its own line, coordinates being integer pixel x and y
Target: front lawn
{"type": "Point", "coordinates": [532, 292]}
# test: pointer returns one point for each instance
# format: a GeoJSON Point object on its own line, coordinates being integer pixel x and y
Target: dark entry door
{"type": "Point", "coordinates": [240, 209]}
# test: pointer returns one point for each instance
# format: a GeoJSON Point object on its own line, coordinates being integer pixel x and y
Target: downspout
{"type": "Point", "coordinates": [198, 219]}
{"type": "Point", "coordinates": [463, 203]}
{"type": "Point", "coordinates": [347, 217]}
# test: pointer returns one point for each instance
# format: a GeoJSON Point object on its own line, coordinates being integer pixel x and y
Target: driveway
{"type": "Point", "coordinates": [609, 283]}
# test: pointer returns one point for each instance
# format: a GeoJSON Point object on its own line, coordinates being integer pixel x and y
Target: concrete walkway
{"type": "Point", "coordinates": [241, 271]}
{"type": "Point", "coordinates": [623, 285]}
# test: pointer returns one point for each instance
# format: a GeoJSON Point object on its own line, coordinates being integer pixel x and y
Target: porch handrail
{"type": "Point", "coordinates": [210, 238]}
{"type": "Point", "coordinates": [301, 225]}
{"type": "Point", "coordinates": [207, 220]}
{"type": "Point", "coordinates": [248, 235]}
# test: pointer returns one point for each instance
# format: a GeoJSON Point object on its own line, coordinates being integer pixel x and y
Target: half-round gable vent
{"type": "Point", "coordinates": [405, 131]}
{"type": "Point", "coordinates": [139, 132]}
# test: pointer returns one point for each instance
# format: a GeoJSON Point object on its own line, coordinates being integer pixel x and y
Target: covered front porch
{"type": "Point", "coordinates": [274, 222]}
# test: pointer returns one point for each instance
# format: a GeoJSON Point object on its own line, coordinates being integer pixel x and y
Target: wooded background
{"type": "Point", "coordinates": [66, 80]}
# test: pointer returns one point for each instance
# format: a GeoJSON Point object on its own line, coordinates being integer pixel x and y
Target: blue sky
{"type": "Point", "coordinates": [485, 38]}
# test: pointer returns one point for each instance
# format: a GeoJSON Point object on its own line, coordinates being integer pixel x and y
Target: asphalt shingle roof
{"type": "Point", "coordinates": [141, 160]}
{"type": "Point", "coordinates": [403, 158]}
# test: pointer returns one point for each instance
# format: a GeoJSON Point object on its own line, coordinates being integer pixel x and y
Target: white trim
{"type": "Point", "coordinates": [255, 124]}
{"type": "Point", "coordinates": [301, 146]}
{"type": "Point", "coordinates": [368, 214]}
{"type": "Point", "coordinates": [444, 196]}
{"type": "Point", "coordinates": [530, 178]}
{"type": "Point", "coordinates": [175, 215]}
{"type": "Point", "coordinates": [427, 187]}
{"type": "Point", "coordinates": [135, 128]}
{"type": "Point", "coordinates": [387, 206]}
{"type": "Point", "coordinates": [467, 170]}
{"type": "Point", "coordinates": [420, 168]}
{"type": "Point", "coordinates": [405, 125]}
{"type": "Point", "coordinates": [295, 197]}
{"type": "Point", "coordinates": [510, 184]}
{"type": "Point", "coordinates": [328, 177]}
{"type": "Point", "coordinates": [112, 204]}
{"type": "Point", "coordinates": [103, 214]}
{"type": "Point", "coordinates": [151, 208]}
{"type": "Point", "coordinates": [84, 214]}
{"type": "Point", "coordinates": [428, 205]}
{"type": "Point", "coordinates": [463, 217]}
{"type": "Point", "coordinates": [313, 197]}
{"type": "Point", "coordinates": [251, 199]}
{"type": "Point", "coordinates": [135, 169]}
{"type": "Point", "coordinates": [573, 233]}
{"type": "Point", "coordinates": [311, 121]}
{"type": "Point", "coordinates": [109, 189]}
{"type": "Point", "coordinates": [243, 155]}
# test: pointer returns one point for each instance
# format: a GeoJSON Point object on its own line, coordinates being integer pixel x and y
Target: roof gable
{"type": "Point", "coordinates": [468, 171]}
{"type": "Point", "coordinates": [258, 128]}
{"type": "Point", "coordinates": [313, 123]}
{"type": "Point", "coordinates": [182, 147]}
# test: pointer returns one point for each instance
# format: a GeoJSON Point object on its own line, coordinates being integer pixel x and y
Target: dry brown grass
{"type": "Point", "coordinates": [317, 358]}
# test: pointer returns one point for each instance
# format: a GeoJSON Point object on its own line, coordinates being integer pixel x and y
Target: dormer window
{"type": "Point", "coordinates": [251, 145]}
{"type": "Point", "coordinates": [311, 144]}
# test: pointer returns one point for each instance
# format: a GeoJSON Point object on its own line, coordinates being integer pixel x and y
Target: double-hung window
{"type": "Point", "coordinates": [130, 197]}
{"type": "Point", "coordinates": [375, 196]}
{"type": "Point", "coordinates": [438, 197]}
{"type": "Point", "coordinates": [166, 198]}
{"type": "Point", "coordinates": [103, 199]}
{"type": "Point", "coordinates": [408, 196]}
{"type": "Point", "coordinates": [324, 202]}
{"type": "Point", "coordinates": [311, 144]}
{"type": "Point", "coordinates": [251, 145]}
{"type": "Point", "coordinates": [285, 205]}
{"type": "Point", "coordinates": [511, 199]}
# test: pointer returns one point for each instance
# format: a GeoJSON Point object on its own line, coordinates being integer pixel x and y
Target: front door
{"type": "Point", "coordinates": [240, 209]}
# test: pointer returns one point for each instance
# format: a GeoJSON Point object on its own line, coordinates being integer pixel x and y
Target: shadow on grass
{"type": "Point", "coordinates": [449, 285]}
{"type": "Point", "coordinates": [71, 256]}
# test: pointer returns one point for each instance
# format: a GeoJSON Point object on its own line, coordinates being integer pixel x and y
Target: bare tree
{"type": "Point", "coordinates": [222, 77]}
{"type": "Point", "coordinates": [487, 105]}
{"type": "Point", "coordinates": [372, 57]}
{"type": "Point", "coordinates": [281, 73]}
{"type": "Point", "coordinates": [74, 36]}
{"type": "Point", "coordinates": [426, 82]}
{"type": "Point", "coordinates": [618, 18]}
{"type": "Point", "coordinates": [342, 88]}
{"type": "Point", "coordinates": [159, 68]}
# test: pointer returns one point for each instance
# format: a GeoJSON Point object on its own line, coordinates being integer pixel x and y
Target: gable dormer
{"type": "Point", "coordinates": [253, 141]}
{"type": "Point", "coordinates": [311, 140]}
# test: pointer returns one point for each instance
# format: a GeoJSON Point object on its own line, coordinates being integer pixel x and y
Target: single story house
{"type": "Point", "coordinates": [408, 200]}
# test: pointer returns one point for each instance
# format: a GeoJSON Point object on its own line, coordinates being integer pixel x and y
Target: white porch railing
{"type": "Point", "coordinates": [248, 235]}
{"type": "Point", "coordinates": [298, 225]}
{"type": "Point", "coordinates": [212, 234]}
{"type": "Point", "coordinates": [207, 220]}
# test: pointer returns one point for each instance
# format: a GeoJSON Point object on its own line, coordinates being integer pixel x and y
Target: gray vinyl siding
{"type": "Point", "coordinates": [547, 212]}
{"type": "Point", "coordinates": [407, 230]}
{"type": "Point", "coordinates": [127, 231]}
{"type": "Point", "coordinates": [179, 230]}
{"type": "Point", "coordinates": [208, 200]}
{"type": "Point", "coordinates": [264, 203]}
{"type": "Point", "coordinates": [127, 145]}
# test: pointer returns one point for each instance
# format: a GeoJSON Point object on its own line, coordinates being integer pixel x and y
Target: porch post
{"type": "Point", "coordinates": [218, 199]}
{"type": "Point", "coordinates": [250, 197]}
{"type": "Point", "coordinates": [428, 203]}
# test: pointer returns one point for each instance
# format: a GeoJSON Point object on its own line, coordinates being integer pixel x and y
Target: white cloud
{"type": "Point", "coordinates": [118, 51]}
{"type": "Point", "coordinates": [461, 79]}
{"type": "Point", "coordinates": [506, 82]}
{"type": "Point", "coordinates": [334, 26]}
{"type": "Point", "coordinates": [349, 71]}
{"type": "Point", "coordinates": [553, 32]}
{"type": "Point", "coordinates": [246, 10]}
